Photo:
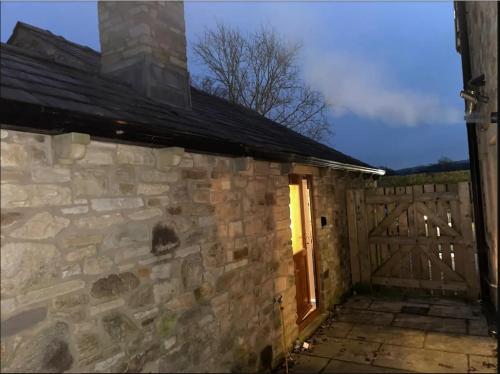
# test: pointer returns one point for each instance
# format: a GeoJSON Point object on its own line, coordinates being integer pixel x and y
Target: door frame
{"type": "Point", "coordinates": [295, 178]}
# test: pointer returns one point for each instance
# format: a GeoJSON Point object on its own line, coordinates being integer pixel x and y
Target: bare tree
{"type": "Point", "coordinates": [259, 71]}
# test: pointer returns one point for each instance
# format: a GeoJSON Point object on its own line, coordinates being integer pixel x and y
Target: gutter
{"type": "Point", "coordinates": [477, 194]}
{"type": "Point", "coordinates": [340, 165]}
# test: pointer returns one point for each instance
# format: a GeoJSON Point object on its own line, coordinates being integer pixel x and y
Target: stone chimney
{"type": "Point", "coordinates": [143, 43]}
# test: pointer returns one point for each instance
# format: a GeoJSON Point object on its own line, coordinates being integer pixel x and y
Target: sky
{"type": "Point", "coordinates": [389, 69]}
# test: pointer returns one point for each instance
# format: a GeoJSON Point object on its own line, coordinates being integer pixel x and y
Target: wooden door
{"type": "Point", "coordinates": [304, 304]}
{"type": "Point", "coordinates": [300, 213]}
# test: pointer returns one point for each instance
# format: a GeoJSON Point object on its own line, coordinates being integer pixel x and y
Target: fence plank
{"type": "Point", "coordinates": [442, 207]}
{"type": "Point", "coordinates": [353, 237]}
{"type": "Point", "coordinates": [380, 213]}
{"type": "Point", "coordinates": [392, 226]}
{"type": "Point", "coordinates": [466, 228]}
{"type": "Point", "coordinates": [432, 225]}
{"type": "Point", "coordinates": [419, 261]}
{"type": "Point", "coordinates": [371, 222]}
{"type": "Point", "coordinates": [456, 251]}
{"type": "Point", "coordinates": [387, 267]}
{"type": "Point", "coordinates": [412, 234]}
{"type": "Point", "coordinates": [435, 221]}
{"type": "Point", "coordinates": [438, 264]}
{"type": "Point", "coordinates": [394, 245]}
{"type": "Point", "coordinates": [431, 206]}
{"type": "Point", "coordinates": [402, 231]}
{"type": "Point", "coordinates": [364, 258]}
{"type": "Point", "coordinates": [388, 222]}
{"type": "Point", "coordinates": [387, 199]}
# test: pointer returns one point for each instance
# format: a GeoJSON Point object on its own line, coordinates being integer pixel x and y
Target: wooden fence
{"type": "Point", "coordinates": [414, 237]}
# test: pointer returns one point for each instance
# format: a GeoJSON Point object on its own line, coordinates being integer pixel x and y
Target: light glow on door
{"type": "Point", "coordinates": [301, 226]}
{"type": "Point", "coordinates": [296, 219]}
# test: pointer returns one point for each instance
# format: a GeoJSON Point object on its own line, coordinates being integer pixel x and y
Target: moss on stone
{"type": "Point", "coordinates": [167, 324]}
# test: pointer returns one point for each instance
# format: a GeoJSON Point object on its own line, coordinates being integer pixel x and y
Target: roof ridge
{"type": "Point", "coordinates": [110, 79]}
{"type": "Point", "coordinates": [49, 33]}
{"type": "Point", "coordinates": [38, 56]}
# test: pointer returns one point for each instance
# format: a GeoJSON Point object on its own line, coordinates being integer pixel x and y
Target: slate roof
{"type": "Point", "coordinates": [80, 97]}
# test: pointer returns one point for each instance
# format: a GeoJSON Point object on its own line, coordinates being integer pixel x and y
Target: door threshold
{"type": "Point", "coordinates": [308, 319]}
{"type": "Point", "coordinates": [311, 323]}
{"type": "Point", "coordinates": [311, 311]}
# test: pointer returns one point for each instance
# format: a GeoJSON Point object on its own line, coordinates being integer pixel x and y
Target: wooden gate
{"type": "Point", "coordinates": [415, 237]}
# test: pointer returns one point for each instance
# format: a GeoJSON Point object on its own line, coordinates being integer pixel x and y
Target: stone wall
{"type": "Point", "coordinates": [124, 258]}
{"type": "Point", "coordinates": [482, 23]}
{"type": "Point", "coordinates": [332, 239]}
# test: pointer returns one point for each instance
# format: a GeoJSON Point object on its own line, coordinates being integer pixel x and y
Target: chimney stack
{"type": "Point", "coordinates": [143, 43]}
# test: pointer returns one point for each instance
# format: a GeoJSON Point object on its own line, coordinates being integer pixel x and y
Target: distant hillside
{"type": "Point", "coordinates": [432, 168]}
{"type": "Point", "coordinates": [440, 173]}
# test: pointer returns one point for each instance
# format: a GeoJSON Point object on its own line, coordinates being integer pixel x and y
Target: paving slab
{"type": "Point", "coordinates": [371, 335]}
{"type": "Point", "coordinates": [478, 345]}
{"type": "Point", "coordinates": [392, 306]}
{"type": "Point", "coordinates": [478, 327]}
{"type": "Point", "coordinates": [336, 366]}
{"type": "Point", "coordinates": [338, 329]}
{"type": "Point", "coordinates": [389, 335]}
{"type": "Point", "coordinates": [309, 364]}
{"type": "Point", "coordinates": [346, 350]}
{"type": "Point", "coordinates": [455, 311]}
{"type": "Point", "coordinates": [435, 301]}
{"type": "Point", "coordinates": [421, 360]}
{"type": "Point", "coordinates": [365, 316]}
{"type": "Point", "coordinates": [482, 364]}
{"type": "Point", "coordinates": [358, 302]}
{"type": "Point", "coordinates": [429, 323]}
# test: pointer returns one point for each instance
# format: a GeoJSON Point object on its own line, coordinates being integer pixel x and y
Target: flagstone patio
{"type": "Point", "coordinates": [373, 335]}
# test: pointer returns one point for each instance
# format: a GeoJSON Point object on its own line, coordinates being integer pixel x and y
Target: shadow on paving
{"type": "Point", "coordinates": [378, 335]}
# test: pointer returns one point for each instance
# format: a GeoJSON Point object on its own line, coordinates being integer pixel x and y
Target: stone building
{"type": "Point", "coordinates": [477, 41]}
{"type": "Point", "coordinates": [148, 226]}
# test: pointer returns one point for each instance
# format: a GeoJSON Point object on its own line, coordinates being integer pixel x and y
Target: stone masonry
{"type": "Point", "coordinates": [332, 236]}
{"type": "Point", "coordinates": [143, 43]}
{"type": "Point", "coordinates": [118, 258]}
{"type": "Point", "coordinates": [482, 23]}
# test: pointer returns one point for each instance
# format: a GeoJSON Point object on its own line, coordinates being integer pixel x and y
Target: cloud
{"type": "Point", "coordinates": [357, 85]}
{"type": "Point", "coordinates": [348, 75]}
{"type": "Point", "coordinates": [342, 56]}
